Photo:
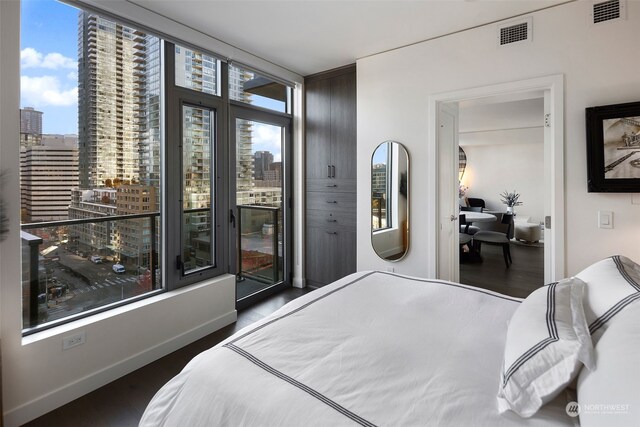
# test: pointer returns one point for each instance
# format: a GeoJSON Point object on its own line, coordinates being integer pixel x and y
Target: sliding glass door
{"type": "Point", "coordinates": [260, 205]}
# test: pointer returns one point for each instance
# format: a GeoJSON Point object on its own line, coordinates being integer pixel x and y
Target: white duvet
{"type": "Point", "coordinates": [373, 348]}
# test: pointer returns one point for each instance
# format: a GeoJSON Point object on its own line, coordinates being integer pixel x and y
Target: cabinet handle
{"type": "Point", "coordinates": [332, 220]}
{"type": "Point", "coordinates": [331, 201]}
{"type": "Point", "coordinates": [333, 173]}
{"type": "Point", "coordinates": [332, 232]}
{"type": "Point", "coordinates": [328, 171]}
{"type": "Point", "coordinates": [332, 186]}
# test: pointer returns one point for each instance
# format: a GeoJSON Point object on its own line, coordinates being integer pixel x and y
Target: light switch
{"type": "Point", "coordinates": [605, 219]}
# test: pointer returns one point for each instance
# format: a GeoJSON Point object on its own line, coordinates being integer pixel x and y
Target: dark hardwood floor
{"type": "Point", "coordinates": [525, 275]}
{"type": "Point", "coordinates": [122, 402]}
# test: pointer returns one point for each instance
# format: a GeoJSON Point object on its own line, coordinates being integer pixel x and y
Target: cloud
{"type": "Point", "coordinates": [46, 90]}
{"type": "Point", "coordinates": [72, 75]}
{"type": "Point", "coordinates": [267, 138]}
{"type": "Point", "coordinates": [31, 58]}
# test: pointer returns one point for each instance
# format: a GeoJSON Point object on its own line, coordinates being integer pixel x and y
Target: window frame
{"type": "Point", "coordinates": [388, 193]}
{"type": "Point", "coordinates": [175, 98]}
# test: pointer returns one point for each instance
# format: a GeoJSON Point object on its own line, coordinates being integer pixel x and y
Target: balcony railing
{"type": "Point", "coordinates": [76, 267]}
{"type": "Point", "coordinates": [260, 243]}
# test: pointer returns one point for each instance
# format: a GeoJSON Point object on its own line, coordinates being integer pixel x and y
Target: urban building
{"type": "Point", "coordinates": [30, 126]}
{"type": "Point", "coordinates": [133, 239]}
{"type": "Point", "coordinates": [48, 174]}
{"type": "Point", "coordinates": [379, 178]}
{"type": "Point", "coordinates": [262, 161]}
{"type": "Point", "coordinates": [68, 140]}
{"type": "Point", "coordinates": [111, 100]}
{"type": "Point", "coordinates": [96, 237]}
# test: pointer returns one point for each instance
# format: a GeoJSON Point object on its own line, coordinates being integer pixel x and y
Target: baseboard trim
{"type": "Point", "coordinates": [63, 395]}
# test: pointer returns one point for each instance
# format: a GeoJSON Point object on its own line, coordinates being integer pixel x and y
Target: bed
{"type": "Point", "coordinates": [374, 348]}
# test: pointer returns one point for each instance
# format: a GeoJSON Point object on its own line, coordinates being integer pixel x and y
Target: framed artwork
{"type": "Point", "coordinates": [613, 148]}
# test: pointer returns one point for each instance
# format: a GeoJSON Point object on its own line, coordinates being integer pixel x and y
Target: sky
{"type": "Point", "coordinates": [48, 63]}
{"type": "Point", "coordinates": [49, 72]}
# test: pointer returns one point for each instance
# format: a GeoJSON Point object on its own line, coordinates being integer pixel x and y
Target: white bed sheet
{"type": "Point", "coordinates": [373, 348]}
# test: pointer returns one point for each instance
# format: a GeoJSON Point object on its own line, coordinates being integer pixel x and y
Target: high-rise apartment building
{"type": "Point", "coordinates": [262, 161]}
{"type": "Point", "coordinates": [30, 126]}
{"type": "Point", "coordinates": [111, 100]}
{"type": "Point", "coordinates": [119, 96]}
{"type": "Point", "coordinates": [48, 173]}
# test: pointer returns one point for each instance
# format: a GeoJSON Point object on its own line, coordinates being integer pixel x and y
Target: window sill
{"type": "Point", "coordinates": [119, 311]}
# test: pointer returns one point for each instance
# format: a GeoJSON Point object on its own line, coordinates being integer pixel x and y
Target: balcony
{"type": "Point", "coordinates": [259, 248]}
{"type": "Point", "coordinates": [68, 266]}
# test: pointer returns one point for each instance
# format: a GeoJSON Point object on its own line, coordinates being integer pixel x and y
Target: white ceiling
{"type": "Point", "coordinates": [309, 36]}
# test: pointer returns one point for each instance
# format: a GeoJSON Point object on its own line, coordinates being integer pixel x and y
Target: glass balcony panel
{"type": "Point", "coordinates": [73, 267]}
{"type": "Point", "coordinates": [261, 243]}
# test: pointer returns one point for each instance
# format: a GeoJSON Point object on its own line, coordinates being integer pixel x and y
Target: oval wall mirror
{"type": "Point", "coordinates": [390, 201]}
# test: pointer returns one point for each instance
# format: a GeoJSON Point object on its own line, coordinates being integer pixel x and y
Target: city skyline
{"type": "Point", "coordinates": [49, 71]}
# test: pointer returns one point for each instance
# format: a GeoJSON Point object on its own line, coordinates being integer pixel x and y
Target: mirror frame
{"type": "Point", "coordinates": [408, 201]}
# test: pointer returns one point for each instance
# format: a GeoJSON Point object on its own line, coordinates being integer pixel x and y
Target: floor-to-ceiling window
{"type": "Point", "coordinates": [128, 160]}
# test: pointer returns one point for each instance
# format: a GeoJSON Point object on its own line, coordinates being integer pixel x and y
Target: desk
{"type": "Point", "coordinates": [472, 217]}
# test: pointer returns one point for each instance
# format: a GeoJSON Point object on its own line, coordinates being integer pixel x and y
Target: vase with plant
{"type": "Point", "coordinates": [510, 199]}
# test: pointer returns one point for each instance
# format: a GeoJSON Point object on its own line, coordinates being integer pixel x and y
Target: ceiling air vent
{"type": "Point", "coordinates": [514, 32]}
{"type": "Point", "coordinates": [609, 10]}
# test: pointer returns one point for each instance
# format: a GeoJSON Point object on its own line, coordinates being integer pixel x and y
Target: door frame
{"type": "Point", "coordinates": [553, 87]}
{"type": "Point", "coordinates": [239, 111]}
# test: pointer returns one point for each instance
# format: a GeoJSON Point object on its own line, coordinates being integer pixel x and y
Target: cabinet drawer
{"type": "Point", "coordinates": [330, 220]}
{"type": "Point", "coordinates": [333, 185]}
{"type": "Point", "coordinates": [330, 201]}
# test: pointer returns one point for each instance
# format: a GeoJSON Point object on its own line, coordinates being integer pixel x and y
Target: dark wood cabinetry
{"type": "Point", "coordinates": [330, 175]}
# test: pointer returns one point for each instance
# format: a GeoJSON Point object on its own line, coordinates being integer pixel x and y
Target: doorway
{"type": "Point", "coordinates": [444, 143]}
{"type": "Point", "coordinates": [501, 140]}
{"type": "Point", "coordinates": [260, 203]}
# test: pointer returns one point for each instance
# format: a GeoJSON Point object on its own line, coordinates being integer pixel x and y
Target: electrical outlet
{"type": "Point", "coordinates": [73, 340]}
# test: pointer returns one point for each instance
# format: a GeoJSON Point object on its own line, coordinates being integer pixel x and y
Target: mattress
{"type": "Point", "coordinates": [373, 348]}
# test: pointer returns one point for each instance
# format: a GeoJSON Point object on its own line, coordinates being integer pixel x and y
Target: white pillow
{"type": "Point", "coordinates": [612, 284]}
{"type": "Point", "coordinates": [609, 396]}
{"type": "Point", "coordinates": [547, 343]}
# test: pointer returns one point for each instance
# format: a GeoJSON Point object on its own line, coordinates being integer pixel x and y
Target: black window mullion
{"type": "Point", "coordinates": [176, 98]}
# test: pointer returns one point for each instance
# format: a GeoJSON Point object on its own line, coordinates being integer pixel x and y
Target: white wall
{"type": "Point", "coordinates": [493, 168]}
{"type": "Point", "coordinates": [393, 91]}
